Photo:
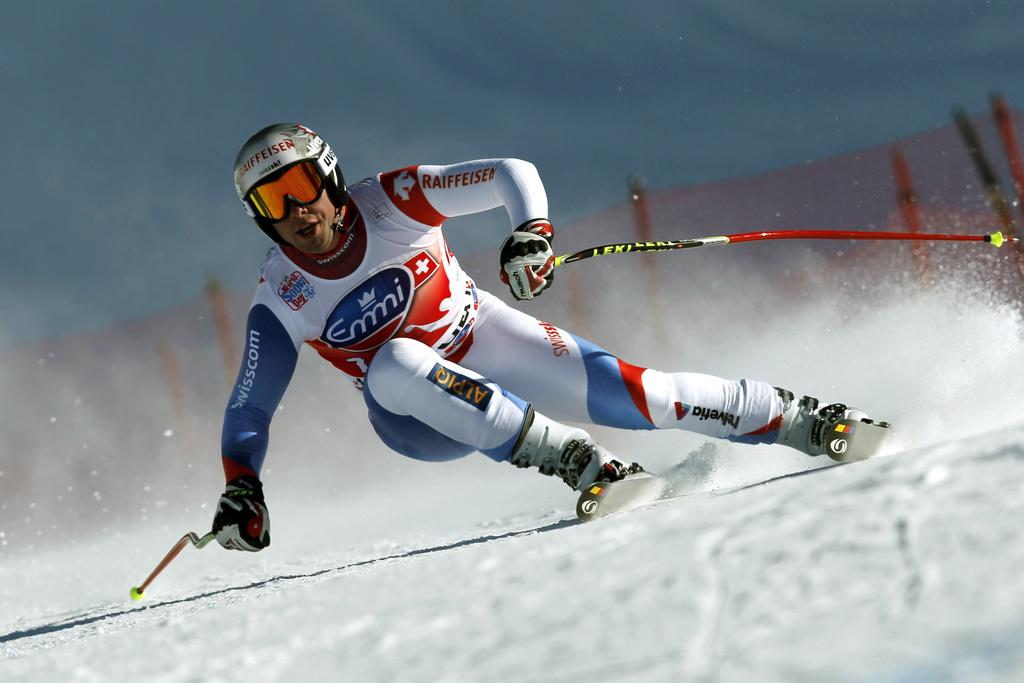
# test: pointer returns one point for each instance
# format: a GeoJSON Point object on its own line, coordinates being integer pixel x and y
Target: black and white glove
{"type": "Point", "coordinates": [242, 521]}
{"type": "Point", "coordinates": [527, 262]}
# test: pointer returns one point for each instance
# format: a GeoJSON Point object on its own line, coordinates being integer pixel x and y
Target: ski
{"type": "Point", "coordinates": [853, 440]}
{"type": "Point", "coordinates": [606, 497]}
{"type": "Point", "coordinates": [845, 442]}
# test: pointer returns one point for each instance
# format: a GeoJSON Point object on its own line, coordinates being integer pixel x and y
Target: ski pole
{"type": "Point", "coordinates": [996, 238]}
{"type": "Point", "coordinates": [137, 592]}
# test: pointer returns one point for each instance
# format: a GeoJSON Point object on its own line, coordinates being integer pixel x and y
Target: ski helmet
{"type": "Point", "coordinates": [268, 156]}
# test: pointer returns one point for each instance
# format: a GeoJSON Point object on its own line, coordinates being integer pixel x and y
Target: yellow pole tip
{"type": "Point", "coordinates": [136, 593]}
{"type": "Point", "coordinates": [997, 239]}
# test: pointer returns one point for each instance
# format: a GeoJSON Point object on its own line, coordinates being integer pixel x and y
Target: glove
{"type": "Point", "coordinates": [527, 262]}
{"type": "Point", "coordinates": [242, 521]}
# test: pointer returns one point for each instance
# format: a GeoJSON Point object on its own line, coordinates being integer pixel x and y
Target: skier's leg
{"type": "Point", "coordinates": [621, 394]}
{"type": "Point", "coordinates": [429, 408]}
{"type": "Point", "coordinates": [409, 380]}
{"type": "Point", "coordinates": [406, 435]}
{"type": "Point", "coordinates": [571, 378]}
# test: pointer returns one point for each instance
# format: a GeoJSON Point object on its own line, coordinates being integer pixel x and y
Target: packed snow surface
{"type": "Point", "coordinates": [902, 568]}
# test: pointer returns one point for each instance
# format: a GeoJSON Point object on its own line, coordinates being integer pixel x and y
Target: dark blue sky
{"type": "Point", "coordinates": [123, 118]}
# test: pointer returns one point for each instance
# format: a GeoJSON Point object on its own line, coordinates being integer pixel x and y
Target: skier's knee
{"type": "Point", "coordinates": [394, 364]}
{"type": "Point", "coordinates": [401, 357]}
{"type": "Point", "coordinates": [407, 353]}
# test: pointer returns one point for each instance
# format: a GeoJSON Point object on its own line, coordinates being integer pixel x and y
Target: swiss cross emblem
{"type": "Point", "coordinates": [422, 266]}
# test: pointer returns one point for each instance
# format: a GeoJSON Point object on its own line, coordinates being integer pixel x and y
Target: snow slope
{"type": "Point", "coordinates": [902, 568]}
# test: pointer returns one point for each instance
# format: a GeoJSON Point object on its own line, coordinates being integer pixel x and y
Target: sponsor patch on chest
{"type": "Point", "coordinates": [407, 299]}
{"type": "Point", "coordinates": [370, 314]}
{"type": "Point", "coordinates": [295, 290]}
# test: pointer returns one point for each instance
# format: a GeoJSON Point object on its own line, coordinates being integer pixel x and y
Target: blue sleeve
{"type": "Point", "coordinates": [268, 362]}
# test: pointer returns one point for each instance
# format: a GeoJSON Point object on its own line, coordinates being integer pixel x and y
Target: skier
{"type": "Point", "coordinates": [363, 275]}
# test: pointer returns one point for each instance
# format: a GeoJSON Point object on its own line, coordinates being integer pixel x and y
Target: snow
{"type": "Point", "coordinates": [901, 568]}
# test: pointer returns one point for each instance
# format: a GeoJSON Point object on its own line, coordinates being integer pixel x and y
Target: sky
{"type": "Point", "coordinates": [124, 118]}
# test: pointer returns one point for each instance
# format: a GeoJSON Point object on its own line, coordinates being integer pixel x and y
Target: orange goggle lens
{"type": "Point", "coordinates": [300, 184]}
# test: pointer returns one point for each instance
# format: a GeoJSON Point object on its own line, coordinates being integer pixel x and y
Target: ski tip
{"type": "Point", "coordinates": [604, 498]}
{"type": "Point", "coordinates": [853, 440]}
{"type": "Point", "coordinates": [589, 501]}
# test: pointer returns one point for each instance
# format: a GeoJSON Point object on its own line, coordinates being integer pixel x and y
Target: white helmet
{"type": "Point", "coordinates": [284, 164]}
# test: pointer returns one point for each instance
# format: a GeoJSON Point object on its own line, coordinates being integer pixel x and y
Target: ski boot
{"type": "Point", "coordinates": [569, 452]}
{"type": "Point", "coordinates": [845, 434]}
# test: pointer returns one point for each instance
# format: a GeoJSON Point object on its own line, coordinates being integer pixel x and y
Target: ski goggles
{"type": "Point", "coordinates": [300, 184]}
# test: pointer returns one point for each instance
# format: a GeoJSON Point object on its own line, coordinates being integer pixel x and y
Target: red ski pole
{"type": "Point", "coordinates": [137, 592]}
{"type": "Point", "coordinates": [996, 239]}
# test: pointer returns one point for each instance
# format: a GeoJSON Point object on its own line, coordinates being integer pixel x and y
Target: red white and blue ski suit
{"type": "Point", "coordinates": [446, 368]}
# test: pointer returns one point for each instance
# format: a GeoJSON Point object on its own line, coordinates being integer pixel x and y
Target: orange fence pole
{"type": "Point", "coordinates": [222, 324]}
{"type": "Point", "coordinates": [176, 390]}
{"type": "Point", "coordinates": [993, 191]}
{"type": "Point", "coordinates": [1009, 138]}
{"type": "Point", "coordinates": [988, 177]}
{"type": "Point", "coordinates": [910, 209]}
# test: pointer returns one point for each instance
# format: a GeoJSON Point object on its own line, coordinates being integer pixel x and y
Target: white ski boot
{"type": "Point", "coordinates": [569, 452]}
{"type": "Point", "coordinates": [830, 429]}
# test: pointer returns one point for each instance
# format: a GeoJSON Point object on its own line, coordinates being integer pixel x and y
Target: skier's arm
{"type": "Point", "coordinates": [268, 361]}
{"type": "Point", "coordinates": [242, 520]}
{"type": "Point", "coordinates": [475, 186]}
{"type": "Point", "coordinates": [430, 194]}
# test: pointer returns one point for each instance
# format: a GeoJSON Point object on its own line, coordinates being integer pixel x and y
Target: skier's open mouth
{"type": "Point", "coordinates": [307, 231]}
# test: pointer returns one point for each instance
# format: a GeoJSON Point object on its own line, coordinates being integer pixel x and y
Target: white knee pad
{"type": "Point", "coordinates": [395, 364]}
{"type": "Point", "coordinates": [409, 378]}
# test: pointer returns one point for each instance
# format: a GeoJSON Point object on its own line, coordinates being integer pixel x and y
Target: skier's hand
{"type": "Point", "coordinates": [242, 521]}
{"type": "Point", "coordinates": [527, 261]}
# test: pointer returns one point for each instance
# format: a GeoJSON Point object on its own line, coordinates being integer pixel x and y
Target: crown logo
{"type": "Point", "coordinates": [367, 299]}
